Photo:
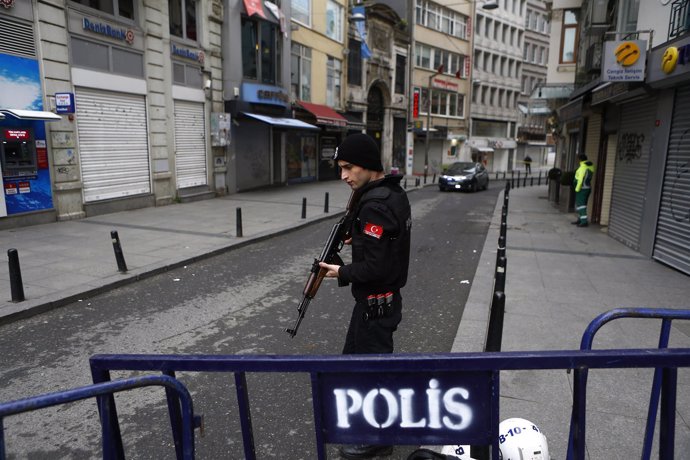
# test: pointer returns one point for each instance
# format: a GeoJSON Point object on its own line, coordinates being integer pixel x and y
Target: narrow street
{"type": "Point", "coordinates": [236, 303]}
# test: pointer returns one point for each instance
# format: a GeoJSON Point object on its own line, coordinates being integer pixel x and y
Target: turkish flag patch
{"type": "Point", "coordinates": [373, 230]}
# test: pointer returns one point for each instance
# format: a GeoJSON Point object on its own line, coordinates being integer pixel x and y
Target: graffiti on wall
{"type": "Point", "coordinates": [630, 147]}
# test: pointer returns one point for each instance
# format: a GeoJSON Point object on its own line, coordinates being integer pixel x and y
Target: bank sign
{"type": "Point", "coordinates": [624, 60]}
{"type": "Point", "coordinates": [438, 408]}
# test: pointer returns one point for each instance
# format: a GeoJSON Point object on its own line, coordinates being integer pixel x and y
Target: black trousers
{"type": "Point", "coordinates": [374, 335]}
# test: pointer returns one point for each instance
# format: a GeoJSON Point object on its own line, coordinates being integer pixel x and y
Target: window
{"type": "Point", "coordinates": [627, 19]}
{"type": "Point", "coordinates": [261, 51]}
{"type": "Point", "coordinates": [569, 36]}
{"type": "Point", "coordinates": [443, 103]}
{"type": "Point", "coordinates": [182, 18]}
{"type": "Point", "coordinates": [354, 63]}
{"type": "Point", "coordinates": [301, 11]}
{"type": "Point", "coordinates": [333, 78]}
{"type": "Point", "coordinates": [400, 70]}
{"type": "Point", "coordinates": [445, 20]}
{"type": "Point", "coordinates": [106, 58]}
{"type": "Point", "coordinates": [121, 8]}
{"type": "Point", "coordinates": [334, 21]}
{"type": "Point", "coordinates": [431, 58]}
{"type": "Point", "coordinates": [187, 75]}
{"type": "Point", "coordinates": [300, 68]}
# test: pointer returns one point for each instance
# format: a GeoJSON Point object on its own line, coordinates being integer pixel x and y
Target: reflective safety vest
{"type": "Point", "coordinates": [583, 176]}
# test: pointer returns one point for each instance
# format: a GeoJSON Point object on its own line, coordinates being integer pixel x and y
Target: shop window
{"type": "Point", "coordinates": [333, 78]}
{"type": "Point", "coordinates": [334, 21]}
{"type": "Point", "coordinates": [569, 36]}
{"type": "Point", "coordinates": [300, 70]}
{"type": "Point", "coordinates": [120, 8]}
{"type": "Point", "coordinates": [261, 51]}
{"type": "Point", "coordinates": [301, 11]}
{"type": "Point", "coordinates": [106, 58]}
{"type": "Point", "coordinates": [354, 63]}
{"type": "Point", "coordinates": [182, 18]}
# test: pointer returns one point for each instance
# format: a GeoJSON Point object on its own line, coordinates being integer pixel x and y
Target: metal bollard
{"type": "Point", "coordinates": [501, 249]}
{"type": "Point", "coordinates": [531, 181]}
{"type": "Point", "coordinates": [304, 208]}
{"type": "Point", "coordinates": [539, 179]}
{"type": "Point", "coordinates": [238, 214]}
{"type": "Point", "coordinates": [504, 174]}
{"type": "Point", "coordinates": [494, 334]}
{"type": "Point", "coordinates": [424, 177]}
{"type": "Point", "coordinates": [500, 277]}
{"type": "Point", "coordinates": [524, 181]}
{"type": "Point", "coordinates": [16, 285]}
{"type": "Point", "coordinates": [496, 175]}
{"type": "Point", "coordinates": [416, 182]}
{"type": "Point", "coordinates": [325, 203]}
{"type": "Point", "coordinates": [405, 184]}
{"type": "Point", "coordinates": [119, 256]}
{"type": "Point", "coordinates": [433, 179]}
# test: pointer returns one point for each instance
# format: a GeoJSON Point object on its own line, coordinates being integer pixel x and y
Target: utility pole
{"type": "Point", "coordinates": [428, 121]}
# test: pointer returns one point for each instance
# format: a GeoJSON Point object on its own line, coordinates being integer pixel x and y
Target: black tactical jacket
{"type": "Point", "coordinates": [380, 240]}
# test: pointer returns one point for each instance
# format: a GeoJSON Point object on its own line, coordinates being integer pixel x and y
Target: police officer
{"type": "Point", "coordinates": [380, 256]}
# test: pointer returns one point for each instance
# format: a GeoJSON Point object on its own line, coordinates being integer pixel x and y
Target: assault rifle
{"type": "Point", "coordinates": [329, 254]}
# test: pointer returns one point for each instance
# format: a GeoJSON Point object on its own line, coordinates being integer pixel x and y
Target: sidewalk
{"type": "Point", "coordinates": [560, 277]}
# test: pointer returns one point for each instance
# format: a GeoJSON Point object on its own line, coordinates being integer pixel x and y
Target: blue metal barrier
{"type": "Point", "coordinates": [663, 384]}
{"type": "Point", "coordinates": [98, 390]}
{"type": "Point", "coordinates": [338, 383]}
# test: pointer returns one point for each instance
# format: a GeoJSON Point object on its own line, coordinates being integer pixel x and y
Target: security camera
{"type": "Point", "coordinates": [207, 84]}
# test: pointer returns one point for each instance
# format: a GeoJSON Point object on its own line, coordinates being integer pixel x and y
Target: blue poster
{"type": "Point", "coordinates": [26, 188]}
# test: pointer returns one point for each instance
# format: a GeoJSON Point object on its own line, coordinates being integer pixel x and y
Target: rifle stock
{"type": "Point", "coordinates": [330, 255]}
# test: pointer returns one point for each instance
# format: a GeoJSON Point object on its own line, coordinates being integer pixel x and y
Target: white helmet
{"type": "Point", "coordinates": [520, 439]}
{"type": "Point", "coordinates": [457, 451]}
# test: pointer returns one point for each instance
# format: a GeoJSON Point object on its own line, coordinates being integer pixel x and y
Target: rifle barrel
{"type": "Point", "coordinates": [302, 310]}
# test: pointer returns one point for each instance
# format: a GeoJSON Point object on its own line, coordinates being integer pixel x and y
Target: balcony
{"type": "Point", "coordinates": [680, 18]}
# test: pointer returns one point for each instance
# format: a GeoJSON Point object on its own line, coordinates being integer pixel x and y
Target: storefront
{"type": "Point", "coordinates": [669, 70]}
{"type": "Point", "coordinates": [631, 170]}
{"type": "Point", "coordinates": [111, 108]}
{"type": "Point", "coordinates": [269, 146]}
{"type": "Point", "coordinates": [190, 120]}
{"type": "Point", "coordinates": [24, 166]}
{"type": "Point", "coordinates": [332, 130]}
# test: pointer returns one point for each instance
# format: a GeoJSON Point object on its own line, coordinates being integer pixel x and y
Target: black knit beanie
{"type": "Point", "coordinates": [360, 150]}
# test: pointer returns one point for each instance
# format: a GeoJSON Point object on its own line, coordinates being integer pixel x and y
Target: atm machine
{"type": "Point", "coordinates": [24, 171]}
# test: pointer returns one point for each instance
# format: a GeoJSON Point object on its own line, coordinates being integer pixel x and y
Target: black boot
{"type": "Point", "coordinates": [364, 451]}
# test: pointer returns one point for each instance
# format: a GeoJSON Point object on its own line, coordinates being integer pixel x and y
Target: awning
{"type": "Point", "coordinates": [281, 122]}
{"type": "Point", "coordinates": [324, 114]}
{"type": "Point", "coordinates": [30, 114]}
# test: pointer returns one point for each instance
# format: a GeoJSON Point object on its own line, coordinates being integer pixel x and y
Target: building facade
{"type": "Point", "coordinates": [441, 84]}
{"type": "Point", "coordinates": [499, 41]}
{"type": "Point", "coordinates": [135, 85]}
{"type": "Point", "coordinates": [628, 114]}
{"type": "Point", "coordinates": [533, 106]}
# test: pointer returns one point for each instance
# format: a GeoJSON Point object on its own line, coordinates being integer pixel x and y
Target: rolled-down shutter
{"type": "Point", "coordinates": [190, 144]}
{"type": "Point", "coordinates": [672, 243]}
{"type": "Point", "coordinates": [113, 144]}
{"type": "Point", "coordinates": [630, 176]}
